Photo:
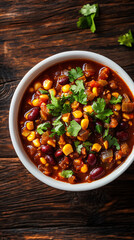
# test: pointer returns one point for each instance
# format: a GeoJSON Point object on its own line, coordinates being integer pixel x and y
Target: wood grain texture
{"type": "Point", "coordinates": [30, 31]}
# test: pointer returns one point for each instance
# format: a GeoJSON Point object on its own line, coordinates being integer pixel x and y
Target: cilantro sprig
{"type": "Point", "coordinates": [79, 146]}
{"type": "Point", "coordinates": [67, 173]}
{"type": "Point", "coordinates": [42, 91]}
{"type": "Point", "coordinates": [78, 91]}
{"type": "Point", "coordinates": [89, 13]}
{"type": "Point", "coordinates": [112, 141]}
{"type": "Point", "coordinates": [59, 127]}
{"type": "Point", "coordinates": [75, 74]}
{"type": "Point", "coordinates": [74, 128]}
{"type": "Point", "coordinates": [42, 127]}
{"type": "Point", "coordinates": [115, 100]}
{"type": "Point", "coordinates": [126, 39]}
{"type": "Point", "coordinates": [99, 109]}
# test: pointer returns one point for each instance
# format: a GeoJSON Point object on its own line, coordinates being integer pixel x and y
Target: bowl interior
{"type": "Point", "coordinates": [13, 118]}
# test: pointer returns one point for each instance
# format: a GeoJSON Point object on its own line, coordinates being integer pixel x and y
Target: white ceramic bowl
{"type": "Point", "coordinates": [13, 121]}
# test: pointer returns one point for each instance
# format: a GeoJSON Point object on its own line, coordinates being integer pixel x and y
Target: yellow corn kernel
{"type": "Point", "coordinates": [44, 97]}
{"type": "Point", "coordinates": [31, 137]}
{"type": "Point", "coordinates": [84, 123]}
{"type": "Point", "coordinates": [26, 115]}
{"type": "Point", "coordinates": [84, 168]}
{"type": "Point", "coordinates": [52, 90]}
{"type": "Point", "coordinates": [105, 144]}
{"type": "Point", "coordinates": [36, 142]}
{"type": "Point", "coordinates": [96, 147]}
{"type": "Point", "coordinates": [75, 105]}
{"type": "Point", "coordinates": [43, 160]}
{"type": "Point", "coordinates": [47, 84]}
{"type": "Point", "coordinates": [55, 167]}
{"type": "Point", "coordinates": [65, 117]}
{"type": "Point", "coordinates": [25, 132]}
{"type": "Point", "coordinates": [128, 116]}
{"type": "Point", "coordinates": [67, 149]}
{"type": "Point", "coordinates": [37, 85]}
{"type": "Point", "coordinates": [130, 123]}
{"type": "Point", "coordinates": [94, 90]}
{"type": "Point", "coordinates": [116, 113]}
{"type": "Point", "coordinates": [66, 88]}
{"type": "Point", "coordinates": [52, 142]}
{"type": "Point", "coordinates": [31, 89]}
{"type": "Point", "coordinates": [88, 109]}
{"type": "Point", "coordinates": [117, 107]}
{"type": "Point", "coordinates": [115, 94]}
{"type": "Point", "coordinates": [77, 114]}
{"type": "Point", "coordinates": [30, 125]}
{"type": "Point", "coordinates": [36, 102]}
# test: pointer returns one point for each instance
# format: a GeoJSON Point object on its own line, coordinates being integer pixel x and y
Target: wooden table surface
{"type": "Point", "coordinates": [30, 31]}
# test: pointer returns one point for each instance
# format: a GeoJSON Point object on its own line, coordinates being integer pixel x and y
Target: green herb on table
{"type": "Point", "coordinates": [89, 13]}
{"type": "Point", "coordinates": [74, 128]}
{"type": "Point", "coordinates": [115, 100]}
{"type": "Point", "coordinates": [75, 74]}
{"type": "Point", "coordinates": [42, 127]}
{"type": "Point", "coordinates": [126, 39]}
{"type": "Point", "coordinates": [99, 109]}
{"type": "Point", "coordinates": [67, 173]}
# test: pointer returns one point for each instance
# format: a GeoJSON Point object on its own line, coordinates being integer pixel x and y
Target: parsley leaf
{"type": "Point", "coordinates": [59, 127]}
{"type": "Point", "coordinates": [89, 13]}
{"type": "Point", "coordinates": [79, 92]}
{"type": "Point", "coordinates": [112, 141]}
{"type": "Point", "coordinates": [115, 100]}
{"type": "Point", "coordinates": [78, 146]}
{"type": "Point", "coordinates": [99, 108]}
{"type": "Point", "coordinates": [74, 128]}
{"type": "Point", "coordinates": [98, 128]}
{"type": "Point", "coordinates": [66, 173]}
{"type": "Point", "coordinates": [126, 39]}
{"type": "Point", "coordinates": [42, 127]}
{"type": "Point", "coordinates": [75, 73]}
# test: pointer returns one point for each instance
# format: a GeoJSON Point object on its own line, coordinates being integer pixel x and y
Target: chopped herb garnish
{"type": "Point", "coordinates": [106, 133]}
{"type": "Point", "coordinates": [115, 100]}
{"type": "Point", "coordinates": [98, 128]}
{"type": "Point", "coordinates": [66, 108]}
{"type": "Point", "coordinates": [74, 128]}
{"type": "Point", "coordinates": [126, 39]}
{"type": "Point", "coordinates": [42, 91]}
{"type": "Point", "coordinates": [67, 173]}
{"type": "Point", "coordinates": [79, 92]}
{"type": "Point", "coordinates": [89, 13]}
{"type": "Point", "coordinates": [99, 108]}
{"type": "Point", "coordinates": [112, 141]}
{"type": "Point", "coordinates": [59, 127]}
{"type": "Point", "coordinates": [87, 145]}
{"type": "Point", "coordinates": [75, 74]}
{"type": "Point", "coordinates": [42, 127]}
{"type": "Point", "coordinates": [79, 146]}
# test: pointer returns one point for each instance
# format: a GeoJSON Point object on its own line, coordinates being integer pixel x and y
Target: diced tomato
{"type": "Point", "coordinates": [94, 83]}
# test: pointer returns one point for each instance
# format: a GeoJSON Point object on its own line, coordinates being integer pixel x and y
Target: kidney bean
{"type": "Point", "coordinates": [34, 113]}
{"type": "Point", "coordinates": [63, 80]}
{"type": "Point", "coordinates": [91, 159]}
{"type": "Point", "coordinates": [123, 125]}
{"type": "Point", "coordinates": [47, 149]}
{"type": "Point", "coordinates": [50, 159]}
{"type": "Point", "coordinates": [58, 153]}
{"type": "Point", "coordinates": [122, 136]}
{"type": "Point", "coordinates": [78, 120]}
{"type": "Point", "coordinates": [97, 173]}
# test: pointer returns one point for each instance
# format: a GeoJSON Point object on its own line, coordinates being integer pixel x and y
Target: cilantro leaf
{"type": "Point", "coordinates": [98, 128]}
{"type": "Point", "coordinates": [59, 127]}
{"type": "Point", "coordinates": [126, 39]}
{"type": "Point", "coordinates": [87, 145]}
{"type": "Point", "coordinates": [66, 173]}
{"type": "Point", "coordinates": [75, 74]}
{"type": "Point", "coordinates": [115, 100]}
{"type": "Point", "coordinates": [112, 141]}
{"type": "Point", "coordinates": [89, 13]}
{"type": "Point", "coordinates": [79, 92]}
{"type": "Point", "coordinates": [99, 108]}
{"type": "Point", "coordinates": [66, 108]}
{"type": "Point", "coordinates": [74, 128]}
{"type": "Point", "coordinates": [78, 146]}
{"type": "Point", "coordinates": [42, 127]}
{"type": "Point", "coordinates": [42, 91]}
{"type": "Point", "coordinates": [106, 133]}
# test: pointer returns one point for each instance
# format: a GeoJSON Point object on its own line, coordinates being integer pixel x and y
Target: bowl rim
{"type": "Point", "coordinates": [13, 117]}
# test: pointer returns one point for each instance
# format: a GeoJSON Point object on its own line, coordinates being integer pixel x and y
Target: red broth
{"type": "Point", "coordinates": [76, 121]}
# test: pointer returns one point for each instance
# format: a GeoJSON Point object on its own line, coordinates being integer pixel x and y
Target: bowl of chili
{"type": "Point", "coordinates": [71, 121]}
